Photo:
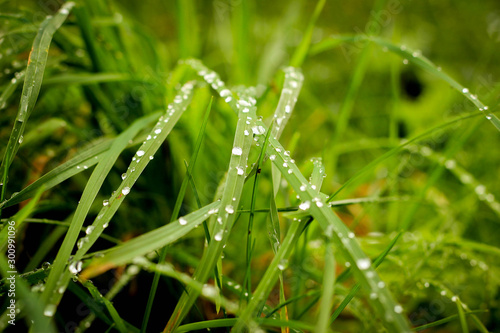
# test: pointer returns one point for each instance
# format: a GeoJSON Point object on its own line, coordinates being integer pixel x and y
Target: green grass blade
{"type": "Point", "coordinates": [175, 214]}
{"type": "Point", "coordinates": [85, 78]}
{"type": "Point", "coordinates": [328, 290]}
{"type": "Point", "coordinates": [10, 88]}
{"type": "Point", "coordinates": [289, 94]}
{"type": "Point", "coordinates": [461, 316]}
{"type": "Point", "coordinates": [301, 52]}
{"type": "Point", "coordinates": [149, 241]}
{"type": "Point", "coordinates": [84, 160]}
{"type": "Point", "coordinates": [445, 320]}
{"type": "Point", "coordinates": [31, 303]}
{"type": "Point", "coordinates": [31, 87]}
{"type": "Point", "coordinates": [91, 189]}
{"type": "Point", "coordinates": [15, 222]}
{"type": "Point", "coordinates": [118, 321]}
{"type": "Point", "coordinates": [187, 28]}
{"type": "Point", "coordinates": [419, 60]}
{"type": "Point", "coordinates": [229, 203]}
{"type": "Point", "coordinates": [148, 148]}
{"type": "Point", "coordinates": [399, 148]}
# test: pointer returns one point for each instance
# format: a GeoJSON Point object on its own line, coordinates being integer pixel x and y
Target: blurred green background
{"type": "Point", "coordinates": [384, 98]}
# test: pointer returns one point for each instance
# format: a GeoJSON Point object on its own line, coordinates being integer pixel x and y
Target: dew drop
{"type": "Point", "coordinates": [21, 138]}
{"type": "Point", "coordinates": [229, 209]}
{"type": "Point", "coordinates": [105, 202]}
{"type": "Point", "coordinates": [218, 236]}
{"type": "Point", "coordinates": [283, 264]}
{"type": "Point", "coordinates": [89, 229]}
{"type": "Point", "coordinates": [49, 310]}
{"type": "Point", "coordinates": [140, 153]}
{"type": "Point", "coordinates": [158, 131]}
{"type": "Point", "coordinates": [398, 309]}
{"type": "Point", "coordinates": [126, 190]}
{"type": "Point", "coordinates": [465, 90]}
{"type": "Point", "coordinates": [363, 263]}
{"type": "Point", "coordinates": [124, 175]}
{"type": "Point", "coordinates": [237, 151]}
{"type": "Point", "coordinates": [182, 221]}
{"type": "Point", "coordinates": [305, 205]}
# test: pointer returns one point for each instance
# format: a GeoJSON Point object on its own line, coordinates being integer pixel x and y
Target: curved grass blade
{"type": "Point", "coordinates": [445, 320]}
{"type": "Point", "coordinates": [16, 221]}
{"type": "Point", "coordinates": [328, 290]}
{"type": "Point", "coordinates": [84, 160]}
{"type": "Point", "coordinates": [301, 52]}
{"type": "Point", "coordinates": [207, 291]}
{"type": "Point", "coordinates": [86, 78]}
{"type": "Point", "coordinates": [31, 87]}
{"type": "Point", "coordinates": [399, 148]}
{"type": "Point", "coordinates": [10, 88]}
{"type": "Point", "coordinates": [123, 280]}
{"type": "Point", "coordinates": [416, 58]}
{"type": "Point", "coordinates": [96, 295]}
{"type": "Point", "coordinates": [289, 94]}
{"type": "Point", "coordinates": [31, 303]}
{"type": "Point", "coordinates": [356, 287]}
{"type": "Point", "coordinates": [229, 202]}
{"type": "Point", "coordinates": [153, 142]}
{"type": "Point", "coordinates": [148, 242]}
{"type": "Point", "coordinates": [266, 322]}
{"type": "Point", "coordinates": [175, 214]}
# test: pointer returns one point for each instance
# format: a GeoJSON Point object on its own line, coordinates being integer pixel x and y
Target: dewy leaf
{"type": "Point", "coordinates": [149, 241]}
{"type": "Point", "coordinates": [230, 197]}
{"type": "Point", "coordinates": [31, 88]}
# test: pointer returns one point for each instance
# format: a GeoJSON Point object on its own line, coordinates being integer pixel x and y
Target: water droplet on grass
{"type": "Point", "coordinates": [218, 236]}
{"type": "Point", "coordinates": [237, 151]}
{"type": "Point", "coordinates": [105, 202]}
{"type": "Point", "coordinates": [229, 209]}
{"type": "Point", "coordinates": [140, 153]}
{"type": "Point", "coordinates": [49, 310]}
{"type": "Point", "coordinates": [126, 190]}
{"type": "Point", "coordinates": [182, 221]}
{"type": "Point", "coordinates": [364, 263]}
{"type": "Point", "coordinates": [89, 229]}
{"type": "Point", "coordinates": [305, 205]}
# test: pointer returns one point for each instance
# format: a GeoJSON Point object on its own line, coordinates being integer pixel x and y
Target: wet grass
{"type": "Point", "coordinates": [216, 179]}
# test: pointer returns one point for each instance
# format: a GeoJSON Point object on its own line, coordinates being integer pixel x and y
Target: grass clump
{"type": "Point", "coordinates": [213, 180]}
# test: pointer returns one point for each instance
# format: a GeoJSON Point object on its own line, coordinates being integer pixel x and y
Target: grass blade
{"type": "Point", "coordinates": [229, 202]}
{"type": "Point", "coordinates": [149, 147]}
{"type": "Point", "coordinates": [31, 87]}
{"type": "Point", "coordinates": [175, 214]}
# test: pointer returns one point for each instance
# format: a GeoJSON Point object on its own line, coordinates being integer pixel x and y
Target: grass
{"type": "Point", "coordinates": [225, 178]}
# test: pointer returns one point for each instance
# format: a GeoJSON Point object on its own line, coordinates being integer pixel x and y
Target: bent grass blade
{"type": "Point", "coordinates": [229, 202]}
{"type": "Point", "coordinates": [31, 88]}
{"type": "Point", "coordinates": [60, 277]}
